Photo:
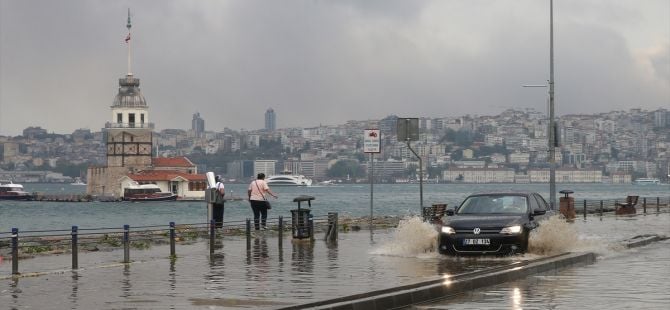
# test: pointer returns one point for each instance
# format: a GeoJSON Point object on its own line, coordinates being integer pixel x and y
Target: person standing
{"type": "Point", "coordinates": [217, 210]}
{"type": "Point", "coordinates": [258, 189]}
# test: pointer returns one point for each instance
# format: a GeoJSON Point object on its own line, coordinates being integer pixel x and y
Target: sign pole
{"type": "Point", "coordinates": [371, 144]}
{"type": "Point", "coordinates": [372, 176]}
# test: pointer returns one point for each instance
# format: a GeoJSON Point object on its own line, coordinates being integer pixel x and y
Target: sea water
{"type": "Point", "coordinates": [349, 200]}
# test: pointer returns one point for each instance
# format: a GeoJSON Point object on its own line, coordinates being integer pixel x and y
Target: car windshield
{"type": "Point", "coordinates": [494, 204]}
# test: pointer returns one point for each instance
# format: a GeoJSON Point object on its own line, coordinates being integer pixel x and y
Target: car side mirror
{"type": "Point", "coordinates": [539, 212]}
{"type": "Point", "coordinates": [450, 212]}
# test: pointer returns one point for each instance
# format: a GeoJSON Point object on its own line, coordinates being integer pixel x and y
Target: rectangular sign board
{"type": "Point", "coordinates": [372, 139]}
{"type": "Point", "coordinates": [408, 129]}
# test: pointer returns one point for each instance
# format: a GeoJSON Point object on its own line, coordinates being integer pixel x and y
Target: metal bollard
{"type": "Point", "coordinates": [585, 209]}
{"type": "Point", "coordinates": [126, 243]}
{"type": "Point", "coordinates": [248, 234]}
{"type": "Point", "coordinates": [212, 235]}
{"type": "Point", "coordinates": [310, 221]}
{"type": "Point", "coordinates": [601, 209]}
{"type": "Point", "coordinates": [280, 228]}
{"type": "Point", "coordinates": [15, 251]}
{"type": "Point", "coordinates": [331, 233]}
{"type": "Point", "coordinates": [658, 204]}
{"type": "Point", "coordinates": [644, 205]}
{"type": "Point", "coordinates": [173, 253]}
{"type": "Point", "coordinates": [75, 248]}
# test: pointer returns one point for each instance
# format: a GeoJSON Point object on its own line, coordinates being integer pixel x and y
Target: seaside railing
{"type": "Point", "coordinates": [23, 244]}
{"type": "Point", "coordinates": [30, 242]}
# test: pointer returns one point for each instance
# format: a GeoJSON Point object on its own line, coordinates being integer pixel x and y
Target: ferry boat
{"type": "Point", "coordinates": [11, 191]}
{"type": "Point", "coordinates": [147, 192]}
{"type": "Point", "coordinates": [286, 178]}
{"type": "Point", "coordinates": [645, 181]}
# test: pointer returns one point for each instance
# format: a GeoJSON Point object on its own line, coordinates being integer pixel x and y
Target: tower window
{"type": "Point", "coordinates": [142, 118]}
{"type": "Point", "coordinates": [119, 118]}
{"type": "Point", "coordinates": [131, 119]}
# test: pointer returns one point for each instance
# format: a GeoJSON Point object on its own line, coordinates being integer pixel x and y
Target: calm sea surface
{"type": "Point", "coordinates": [348, 200]}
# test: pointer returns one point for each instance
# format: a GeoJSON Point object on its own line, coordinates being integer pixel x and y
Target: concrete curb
{"type": "Point", "coordinates": [441, 287]}
{"type": "Point", "coordinates": [643, 240]}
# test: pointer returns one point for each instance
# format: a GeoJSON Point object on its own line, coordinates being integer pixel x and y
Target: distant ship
{"type": "Point", "coordinates": [286, 178]}
{"type": "Point", "coordinates": [646, 181]}
{"type": "Point", "coordinates": [78, 181]}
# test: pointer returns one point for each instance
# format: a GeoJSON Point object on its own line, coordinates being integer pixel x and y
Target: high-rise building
{"type": "Point", "coordinates": [198, 125]}
{"type": "Point", "coordinates": [270, 120]}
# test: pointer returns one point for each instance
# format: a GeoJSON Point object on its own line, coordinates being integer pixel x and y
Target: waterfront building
{"type": "Point", "coordinates": [268, 167]}
{"type": "Point", "coordinates": [479, 175]}
{"type": "Point", "coordinates": [566, 175]}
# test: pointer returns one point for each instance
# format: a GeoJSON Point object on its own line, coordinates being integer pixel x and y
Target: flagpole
{"type": "Point", "coordinates": [128, 42]}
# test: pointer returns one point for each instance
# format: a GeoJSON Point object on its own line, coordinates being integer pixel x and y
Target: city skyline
{"type": "Point", "coordinates": [326, 62]}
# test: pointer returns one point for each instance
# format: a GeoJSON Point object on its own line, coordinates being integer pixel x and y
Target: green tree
{"type": "Point", "coordinates": [345, 167]}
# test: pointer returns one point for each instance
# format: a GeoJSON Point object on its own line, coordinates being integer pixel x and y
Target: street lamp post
{"type": "Point", "coordinates": [551, 136]}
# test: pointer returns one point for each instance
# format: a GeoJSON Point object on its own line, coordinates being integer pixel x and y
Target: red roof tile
{"type": "Point", "coordinates": [172, 162]}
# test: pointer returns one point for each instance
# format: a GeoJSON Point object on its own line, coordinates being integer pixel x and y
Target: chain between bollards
{"type": "Point", "coordinates": [126, 244]}
{"type": "Point", "coordinates": [75, 248]}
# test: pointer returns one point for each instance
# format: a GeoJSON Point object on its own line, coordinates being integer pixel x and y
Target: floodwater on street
{"type": "Point", "coordinates": [268, 275]}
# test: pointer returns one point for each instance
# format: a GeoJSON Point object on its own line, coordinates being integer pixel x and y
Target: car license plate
{"type": "Point", "coordinates": [476, 241]}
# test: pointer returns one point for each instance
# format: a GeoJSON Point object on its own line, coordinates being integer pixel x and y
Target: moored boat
{"type": "Point", "coordinates": [11, 191]}
{"type": "Point", "coordinates": [147, 192]}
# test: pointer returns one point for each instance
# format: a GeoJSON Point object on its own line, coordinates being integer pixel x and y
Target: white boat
{"type": "Point", "coordinates": [11, 191]}
{"type": "Point", "coordinates": [645, 181]}
{"type": "Point", "coordinates": [77, 181]}
{"type": "Point", "coordinates": [286, 178]}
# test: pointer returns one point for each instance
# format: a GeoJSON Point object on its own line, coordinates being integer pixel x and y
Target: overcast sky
{"type": "Point", "coordinates": [325, 62]}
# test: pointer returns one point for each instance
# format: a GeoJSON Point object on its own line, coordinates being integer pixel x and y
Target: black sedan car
{"type": "Point", "coordinates": [492, 223]}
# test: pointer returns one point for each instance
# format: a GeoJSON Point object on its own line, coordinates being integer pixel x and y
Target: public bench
{"type": "Point", "coordinates": [627, 207]}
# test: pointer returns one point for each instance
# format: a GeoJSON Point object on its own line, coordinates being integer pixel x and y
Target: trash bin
{"type": "Point", "coordinates": [301, 218]}
{"type": "Point", "coordinates": [567, 205]}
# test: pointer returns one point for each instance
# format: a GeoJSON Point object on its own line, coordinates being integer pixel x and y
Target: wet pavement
{"type": "Point", "coordinates": [631, 279]}
{"type": "Point", "coordinates": [268, 275]}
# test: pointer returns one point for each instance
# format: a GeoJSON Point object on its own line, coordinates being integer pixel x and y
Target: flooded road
{"type": "Point", "coordinates": [267, 275]}
{"type": "Point", "coordinates": [631, 279]}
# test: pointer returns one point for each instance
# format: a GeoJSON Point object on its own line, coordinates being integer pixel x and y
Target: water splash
{"type": "Point", "coordinates": [412, 238]}
{"type": "Point", "coordinates": [554, 236]}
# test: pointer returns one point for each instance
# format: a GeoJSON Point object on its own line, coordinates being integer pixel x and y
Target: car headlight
{"type": "Point", "coordinates": [511, 230]}
{"type": "Point", "coordinates": [448, 230]}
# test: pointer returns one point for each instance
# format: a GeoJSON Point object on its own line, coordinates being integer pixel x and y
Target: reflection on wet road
{"type": "Point", "coordinates": [269, 273]}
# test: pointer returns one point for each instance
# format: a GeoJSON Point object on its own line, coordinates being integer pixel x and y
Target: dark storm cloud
{"type": "Point", "coordinates": [323, 61]}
